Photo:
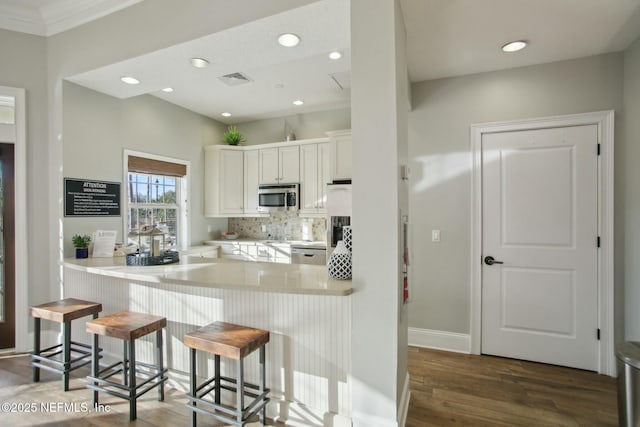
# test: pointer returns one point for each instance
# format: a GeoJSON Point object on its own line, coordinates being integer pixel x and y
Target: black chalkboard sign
{"type": "Point", "coordinates": [86, 197]}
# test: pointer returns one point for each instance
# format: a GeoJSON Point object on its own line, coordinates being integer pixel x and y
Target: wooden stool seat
{"type": "Point", "coordinates": [227, 339]}
{"type": "Point", "coordinates": [233, 342]}
{"type": "Point", "coordinates": [62, 311]}
{"type": "Point", "coordinates": [65, 310]}
{"type": "Point", "coordinates": [127, 326]}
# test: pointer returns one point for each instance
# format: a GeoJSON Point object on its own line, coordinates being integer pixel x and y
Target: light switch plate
{"type": "Point", "coordinates": [435, 235]}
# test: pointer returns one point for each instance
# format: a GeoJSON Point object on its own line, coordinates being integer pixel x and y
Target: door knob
{"type": "Point", "coordinates": [489, 260]}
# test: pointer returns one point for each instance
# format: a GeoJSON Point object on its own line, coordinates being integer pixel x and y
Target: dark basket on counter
{"type": "Point", "coordinates": [168, 257]}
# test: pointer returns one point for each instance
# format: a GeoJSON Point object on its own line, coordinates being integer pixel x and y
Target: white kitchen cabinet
{"type": "Point", "coordinates": [280, 165]}
{"type": "Point", "coordinates": [251, 181]}
{"type": "Point", "coordinates": [341, 156]}
{"type": "Point", "coordinates": [315, 173]}
{"type": "Point", "coordinates": [223, 181]}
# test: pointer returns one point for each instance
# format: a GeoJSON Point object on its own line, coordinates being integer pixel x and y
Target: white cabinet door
{"type": "Point", "coordinates": [342, 156]}
{"type": "Point", "coordinates": [269, 171]}
{"type": "Point", "coordinates": [289, 164]}
{"type": "Point", "coordinates": [280, 165]}
{"type": "Point", "coordinates": [231, 182]}
{"type": "Point", "coordinates": [223, 181]}
{"type": "Point", "coordinates": [309, 179]}
{"type": "Point", "coordinates": [251, 180]}
{"type": "Point", "coordinates": [324, 174]}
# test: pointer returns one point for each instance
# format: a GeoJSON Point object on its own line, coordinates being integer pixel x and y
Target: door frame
{"type": "Point", "coordinates": [21, 246]}
{"type": "Point", "coordinates": [605, 123]}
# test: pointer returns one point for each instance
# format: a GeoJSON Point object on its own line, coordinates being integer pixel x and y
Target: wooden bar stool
{"type": "Point", "coordinates": [127, 326]}
{"type": "Point", "coordinates": [234, 342]}
{"type": "Point", "coordinates": [62, 311]}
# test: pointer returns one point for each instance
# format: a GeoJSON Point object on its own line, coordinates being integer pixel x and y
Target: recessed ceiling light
{"type": "Point", "coordinates": [225, 114]}
{"type": "Point", "coordinates": [288, 39]}
{"type": "Point", "coordinates": [298, 102]}
{"type": "Point", "coordinates": [199, 62]}
{"type": "Point", "coordinates": [514, 46]}
{"type": "Point", "coordinates": [335, 55]}
{"type": "Point", "coordinates": [129, 80]}
{"type": "Point", "coordinates": [168, 89]}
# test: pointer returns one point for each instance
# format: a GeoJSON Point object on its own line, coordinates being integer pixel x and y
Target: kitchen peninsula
{"type": "Point", "coordinates": [307, 313]}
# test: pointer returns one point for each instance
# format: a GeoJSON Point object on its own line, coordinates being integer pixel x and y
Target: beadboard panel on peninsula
{"type": "Point", "coordinates": [308, 356]}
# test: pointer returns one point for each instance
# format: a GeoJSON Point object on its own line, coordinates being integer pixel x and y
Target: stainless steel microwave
{"type": "Point", "coordinates": [278, 197]}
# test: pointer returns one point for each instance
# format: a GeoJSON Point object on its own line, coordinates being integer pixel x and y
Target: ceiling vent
{"type": "Point", "coordinates": [235, 79]}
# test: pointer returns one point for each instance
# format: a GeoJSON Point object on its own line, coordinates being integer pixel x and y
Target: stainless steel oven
{"type": "Point", "coordinates": [278, 197]}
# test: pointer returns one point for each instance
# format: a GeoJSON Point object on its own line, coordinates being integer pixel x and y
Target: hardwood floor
{"type": "Point", "coordinates": [450, 389]}
{"type": "Point", "coordinates": [447, 389]}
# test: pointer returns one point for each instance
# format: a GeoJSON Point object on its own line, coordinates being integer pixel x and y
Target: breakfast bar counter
{"type": "Point", "coordinates": [224, 274]}
{"type": "Point", "coordinates": [307, 314]}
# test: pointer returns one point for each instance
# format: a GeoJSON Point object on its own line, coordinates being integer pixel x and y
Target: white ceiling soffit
{"type": "Point", "coordinates": [278, 75]}
{"type": "Point", "coordinates": [48, 17]}
{"type": "Point", "coordinates": [457, 37]}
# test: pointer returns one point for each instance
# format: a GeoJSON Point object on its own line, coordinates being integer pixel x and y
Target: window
{"type": "Point", "coordinates": [153, 201]}
{"type": "Point", "coordinates": [157, 196]}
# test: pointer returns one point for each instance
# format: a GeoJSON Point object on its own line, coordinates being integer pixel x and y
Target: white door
{"type": "Point", "coordinates": [539, 211]}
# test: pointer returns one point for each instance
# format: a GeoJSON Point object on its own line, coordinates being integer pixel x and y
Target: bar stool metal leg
{"type": "Point", "coordinates": [36, 347]}
{"type": "Point", "coordinates": [240, 391]}
{"type": "Point", "coordinates": [66, 349]}
{"type": "Point", "coordinates": [192, 383]}
{"type": "Point", "coordinates": [159, 356]}
{"type": "Point", "coordinates": [95, 368]}
{"type": "Point", "coordinates": [132, 380]}
{"type": "Point", "coordinates": [217, 380]}
{"type": "Point", "coordinates": [125, 360]}
{"type": "Point", "coordinates": [263, 381]}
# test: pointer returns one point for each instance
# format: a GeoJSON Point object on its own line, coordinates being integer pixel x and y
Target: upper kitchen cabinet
{"type": "Point", "coordinates": [315, 173]}
{"type": "Point", "coordinates": [251, 181]}
{"type": "Point", "coordinates": [223, 180]}
{"type": "Point", "coordinates": [341, 141]}
{"type": "Point", "coordinates": [280, 165]}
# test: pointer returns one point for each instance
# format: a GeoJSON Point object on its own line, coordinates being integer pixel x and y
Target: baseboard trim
{"type": "Point", "coordinates": [440, 340]}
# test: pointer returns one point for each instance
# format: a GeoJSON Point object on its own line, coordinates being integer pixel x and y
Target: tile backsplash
{"type": "Point", "coordinates": [279, 226]}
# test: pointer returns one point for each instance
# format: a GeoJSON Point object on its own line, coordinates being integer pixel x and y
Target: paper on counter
{"type": "Point", "coordinates": [104, 242]}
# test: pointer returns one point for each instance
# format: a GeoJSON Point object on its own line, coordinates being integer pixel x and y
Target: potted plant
{"type": "Point", "coordinates": [81, 243]}
{"type": "Point", "coordinates": [232, 136]}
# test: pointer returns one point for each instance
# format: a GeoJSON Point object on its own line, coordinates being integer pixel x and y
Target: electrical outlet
{"type": "Point", "coordinates": [435, 235]}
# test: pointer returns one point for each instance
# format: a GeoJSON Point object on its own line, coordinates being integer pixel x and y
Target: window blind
{"type": "Point", "coordinates": [156, 167]}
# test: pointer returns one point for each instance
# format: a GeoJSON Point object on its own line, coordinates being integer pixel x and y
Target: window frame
{"type": "Point", "coordinates": [182, 196]}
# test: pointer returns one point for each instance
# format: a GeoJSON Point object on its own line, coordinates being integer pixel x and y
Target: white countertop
{"type": "Point", "coordinates": [223, 273]}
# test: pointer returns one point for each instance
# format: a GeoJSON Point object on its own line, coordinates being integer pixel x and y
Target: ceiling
{"type": "Point", "coordinates": [444, 38]}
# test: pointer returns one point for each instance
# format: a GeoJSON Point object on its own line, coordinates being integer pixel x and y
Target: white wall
{"type": "Point", "coordinates": [440, 165]}
{"type": "Point", "coordinates": [305, 126]}
{"type": "Point", "coordinates": [628, 194]}
{"type": "Point", "coordinates": [21, 70]}
{"type": "Point", "coordinates": [98, 128]}
{"type": "Point", "coordinates": [378, 105]}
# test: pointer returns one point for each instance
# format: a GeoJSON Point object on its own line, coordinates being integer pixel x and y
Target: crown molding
{"type": "Point", "coordinates": [56, 16]}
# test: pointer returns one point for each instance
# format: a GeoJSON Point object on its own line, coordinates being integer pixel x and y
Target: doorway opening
{"type": "Point", "coordinates": [7, 245]}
